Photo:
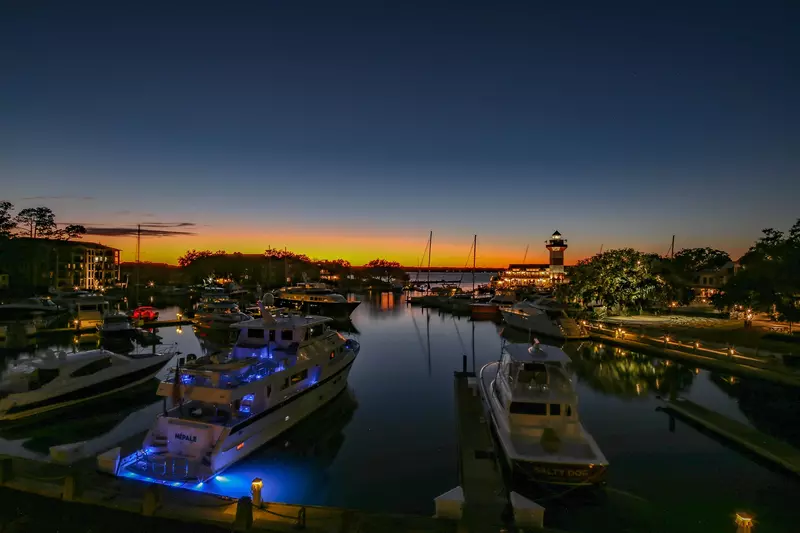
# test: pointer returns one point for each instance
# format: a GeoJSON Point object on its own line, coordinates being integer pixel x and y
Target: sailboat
{"type": "Point", "coordinates": [421, 299]}
{"type": "Point", "coordinates": [461, 302]}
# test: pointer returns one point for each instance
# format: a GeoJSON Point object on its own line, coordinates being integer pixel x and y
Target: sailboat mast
{"type": "Point", "coordinates": [474, 253]}
{"type": "Point", "coordinates": [138, 255]}
{"type": "Point", "coordinates": [430, 247]}
{"type": "Point", "coordinates": [526, 254]}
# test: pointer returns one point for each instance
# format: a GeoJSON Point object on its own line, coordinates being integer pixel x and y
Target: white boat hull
{"type": "Point", "coordinates": [277, 422]}
{"type": "Point", "coordinates": [542, 325]}
{"type": "Point", "coordinates": [26, 405]}
{"type": "Point", "coordinates": [543, 469]}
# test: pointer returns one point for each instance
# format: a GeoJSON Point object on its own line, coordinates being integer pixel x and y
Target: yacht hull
{"type": "Point", "coordinates": [277, 420]}
{"type": "Point", "coordinates": [539, 324]}
{"type": "Point", "coordinates": [321, 308]}
{"type": "Point", "coordinates": [241, 440]}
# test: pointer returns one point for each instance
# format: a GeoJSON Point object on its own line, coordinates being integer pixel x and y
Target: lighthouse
{"type": "Point", "coordinates": [556, 245]}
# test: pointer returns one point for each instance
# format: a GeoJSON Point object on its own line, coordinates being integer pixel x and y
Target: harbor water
{"type": "Point", "coordinates": [389, 443]}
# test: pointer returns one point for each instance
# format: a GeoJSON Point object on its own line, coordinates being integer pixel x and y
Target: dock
{"type": "Point", "coordinates": [481, 478]}
{"type": "Point", "coordinates": [482, 502]}
{"type": "Point", "coordinates": [82, 484]}
{"type": "Point", "coordinates": [145, 325]}
{"type": "Point", "coordinates": [734, 364]}
{"type": "Point", "coordinates": [761, 444]}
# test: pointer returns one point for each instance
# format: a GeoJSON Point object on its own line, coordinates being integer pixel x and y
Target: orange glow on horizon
{"type": "Point", "coordinates": [333, 243]}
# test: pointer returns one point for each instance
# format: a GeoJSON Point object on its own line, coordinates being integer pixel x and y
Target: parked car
{"type": "Point", "coordinates": [148, 314]}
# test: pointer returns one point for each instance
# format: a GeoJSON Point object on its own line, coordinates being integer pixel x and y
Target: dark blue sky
{"type": "Point", "coordinates": [619, 124]}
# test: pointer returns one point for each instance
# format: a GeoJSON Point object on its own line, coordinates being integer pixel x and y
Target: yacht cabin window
{"type": "Point", "coordinates": [287, 335]}
{"type": "Point", "coordinates": [92, 368]}
{"type": "Point", "coordinates": [555, 409]}
{"type": "Point", "coordinates": [300, 376]}
{"type": "Point", "coordinates": [255, 333]}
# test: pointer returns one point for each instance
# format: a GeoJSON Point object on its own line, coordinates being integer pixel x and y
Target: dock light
{"type": "Point", "coordinates": [179, 315]}
{"type": "Point", "coordinates": [75, 322]}
{"type": "Point", "coordinates": [696, 345]}
{"type": "Point", "coordinates": [744, 523]}
{"type": "Point", "coordinates": [255, 491]}
{"type": "Point", "coordinates": [666, 338]}
{"type": "Point", "coordinates": [731, 351]}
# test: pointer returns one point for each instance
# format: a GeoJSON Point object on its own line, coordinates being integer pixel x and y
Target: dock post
{"type": "Point", "coordinates": [6, 470]}
{"type": "Point", "coordinates": [244, 514]}
{"type": "Point", "coordinates": [152, 500]}
{"type": "Point", "coordinates": [72, 487]}
{"type": "Point", "coordinates": [527, 513]}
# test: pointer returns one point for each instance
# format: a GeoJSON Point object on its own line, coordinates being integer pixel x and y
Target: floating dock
{"type": "Point", "coordinates": [761, 444]}
{"type": "Point", "coordinates": [146, 325]}
{"type": "Point", "coordinates": [744, 366]}
{"type": "Point", "coordinates": [482, 501]}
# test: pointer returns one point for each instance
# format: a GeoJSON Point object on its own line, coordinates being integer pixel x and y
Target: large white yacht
{"type": "Point", "coordinates": [534, 408]}
{"type": "Point", "coordinates": [544, 316]}
{"type": "Point", "coordinates": [281, 369]}
{"type": "Point", "coordinates": [59, 380]}
{"type": "Point", "coordinates": [315, 298]}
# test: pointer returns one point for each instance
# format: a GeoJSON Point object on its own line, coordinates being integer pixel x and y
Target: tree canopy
{"type": "Point", "coordinates": [7, 222]}
{"type": "Point", "coordinates": [623, 278]}
{"type": "Point", "coordinates": [770, 278]}
{"type": "Point", "coordinates": [36, 223]}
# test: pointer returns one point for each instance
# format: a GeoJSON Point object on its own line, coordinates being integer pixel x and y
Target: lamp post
{"type": "Point", "coordinates": [255, 491]}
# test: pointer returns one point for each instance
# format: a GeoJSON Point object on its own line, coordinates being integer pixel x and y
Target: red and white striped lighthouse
{"type": "Point", "coordinates": [556, 245]}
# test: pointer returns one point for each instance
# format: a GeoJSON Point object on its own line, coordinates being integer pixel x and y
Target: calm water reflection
{"type": "Point", "coordinates": [389, 443]}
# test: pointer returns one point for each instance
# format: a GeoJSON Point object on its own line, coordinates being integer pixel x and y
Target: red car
{"type": "Point", "coordinates": [148, 314]}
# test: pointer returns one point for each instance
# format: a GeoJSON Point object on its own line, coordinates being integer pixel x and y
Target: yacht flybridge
{"type": "Point", "coordinates": [534, 408]}
{"type": "Point", "coordinates": [281, 369]}
{"type": "Point", "coordinates": [544, 316]}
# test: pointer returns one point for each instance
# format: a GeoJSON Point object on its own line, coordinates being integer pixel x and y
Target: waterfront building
{"type": "Point", "coordinates": [708, 282]}
{"type": "Point", "coordinates": [44, 263]}
{"type": "Point", "coordinates": [537, 275]}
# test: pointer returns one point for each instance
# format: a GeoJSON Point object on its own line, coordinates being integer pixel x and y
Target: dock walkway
{"type": "Point", "coordinates": [485, 494]}
{"type": "Point", "coordinates": [757, 442]}
{"type": "Point", "coordinates": [81, 484]}
{"type": "Point", "coordinates": [735, 365]}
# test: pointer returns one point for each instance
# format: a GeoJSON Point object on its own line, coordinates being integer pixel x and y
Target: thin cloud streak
{"type": "Point", "coordinates": [132, 232]}
{"type": "Point", "coordinates": [58, 198]}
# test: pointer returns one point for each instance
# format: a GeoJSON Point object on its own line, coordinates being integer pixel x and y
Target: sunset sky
{"type": "Point", "coordinates": [351, 129]}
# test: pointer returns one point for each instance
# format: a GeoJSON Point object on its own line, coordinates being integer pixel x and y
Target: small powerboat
{"type": "Point", "coordinates": [534, 409]}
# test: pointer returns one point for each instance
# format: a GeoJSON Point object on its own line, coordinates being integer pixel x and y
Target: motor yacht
{"type": "Point", "coordinates": [41, 312]}
{"type": "Point", "coordinates": [543, 316]}
{"type": "Point", "coordinates": [491, 309]}
{"type": "Point", "coordinates": [116, 323]}
{"type": "Point", "coordinates": [315, 298]}
{"type": "Point", "coordinates": [280, 371]}
{"type": "Point", "coordinates": [59, 380]}
{"type": "Point", "coordinates": [533, 406]}
{"type": "Point", "coordinates": [219, 314]}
